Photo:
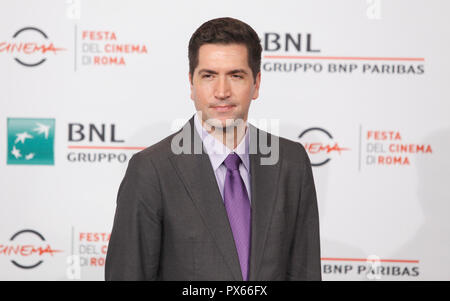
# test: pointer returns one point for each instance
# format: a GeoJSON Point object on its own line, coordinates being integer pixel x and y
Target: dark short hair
{"type": "Point", "coordinates": [226, 31]}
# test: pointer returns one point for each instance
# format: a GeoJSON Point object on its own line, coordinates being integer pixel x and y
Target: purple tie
{"type": "Point", "coordinates": [238, 210]}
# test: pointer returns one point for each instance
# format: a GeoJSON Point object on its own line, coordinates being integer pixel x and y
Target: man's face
{"type": "Point", "coordinates": [223, 86]}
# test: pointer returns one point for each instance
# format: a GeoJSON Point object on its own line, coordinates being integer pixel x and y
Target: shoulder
{"type": "Point", "coordinates": [293, 151]}
{"type": "Point", "coordinates": [289, 150]}
{"type": "Point", "coordinates": [154, 154]}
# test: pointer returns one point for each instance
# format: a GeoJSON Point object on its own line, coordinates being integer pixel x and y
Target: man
{"type": "Point", "coordinates": [218, 211]}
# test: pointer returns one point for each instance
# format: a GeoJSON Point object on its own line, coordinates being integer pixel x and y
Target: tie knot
{"type": "Point", "coordinates": [232, 161]}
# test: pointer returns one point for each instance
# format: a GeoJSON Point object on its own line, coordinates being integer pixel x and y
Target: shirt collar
{"type": "Point", "coordinates": [217, 151]}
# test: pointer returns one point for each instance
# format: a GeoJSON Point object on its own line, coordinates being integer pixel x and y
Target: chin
{"type": "Point", "coordinates": [226, 121]}
{"type": "Point", "coordinates": [217, 122]}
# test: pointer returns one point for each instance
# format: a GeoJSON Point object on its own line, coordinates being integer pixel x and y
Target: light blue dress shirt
{"type": "Point", "coordinates": [218, 152]}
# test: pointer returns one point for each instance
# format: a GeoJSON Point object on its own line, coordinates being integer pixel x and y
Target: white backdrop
{"type": "Point", "coordinates": [365, 82]}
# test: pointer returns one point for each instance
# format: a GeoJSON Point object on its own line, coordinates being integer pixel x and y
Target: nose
{"type": "Point", "coordinates": [222, 89]}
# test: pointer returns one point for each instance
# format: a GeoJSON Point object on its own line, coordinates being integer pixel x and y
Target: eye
{"type": "Point", "coordinates": [237, 76]}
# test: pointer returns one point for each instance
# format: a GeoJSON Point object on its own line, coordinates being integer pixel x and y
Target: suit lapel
{"type": "Point", "coordinates": [196, 173]}
{"type": "Point", "coordinates": [264, 183]}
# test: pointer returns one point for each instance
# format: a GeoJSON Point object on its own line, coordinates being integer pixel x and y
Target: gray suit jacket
{"type": "Point", "coordinates": [171, 222]}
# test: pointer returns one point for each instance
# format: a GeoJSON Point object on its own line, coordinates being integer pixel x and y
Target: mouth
{"type": "Point", "coordinates": [224, 108]}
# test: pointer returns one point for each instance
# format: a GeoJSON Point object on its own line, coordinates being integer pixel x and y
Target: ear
{"type": "Point", "coordinates": [256, 86]}
{"type": "Point", "coordinates": [192, 86]}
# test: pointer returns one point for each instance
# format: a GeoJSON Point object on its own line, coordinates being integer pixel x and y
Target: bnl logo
{"type": "Point", "coordinates": [31, 141]}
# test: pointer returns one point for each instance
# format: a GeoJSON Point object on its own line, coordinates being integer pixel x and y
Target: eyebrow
{"type": "Point", "coordinates": [234, 71]}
